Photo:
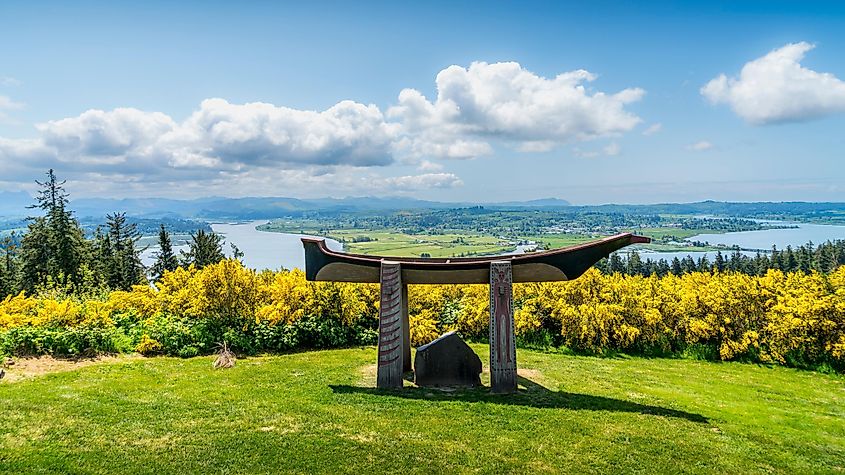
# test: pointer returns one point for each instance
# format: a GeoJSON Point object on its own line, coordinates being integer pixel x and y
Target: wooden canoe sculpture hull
{"type": "Point", "coordinates": [323, 264]}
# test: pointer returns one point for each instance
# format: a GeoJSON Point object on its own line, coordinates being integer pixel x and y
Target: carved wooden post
{"type": "Point", "coordinates": [406, 331]}
{"type": "Point", "coordinates": [502, 346]}
{"type": "Point", "coordinates": [391, 328]}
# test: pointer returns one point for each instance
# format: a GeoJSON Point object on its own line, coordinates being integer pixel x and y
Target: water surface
{"type": "Point", "coordinates": [262, 250]}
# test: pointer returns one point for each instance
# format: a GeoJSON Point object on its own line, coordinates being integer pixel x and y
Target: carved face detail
{"type": "Point", "coordinates": [502, 322]}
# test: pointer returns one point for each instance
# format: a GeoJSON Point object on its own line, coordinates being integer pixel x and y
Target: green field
{"type": "Point", "coordinates": [316, 412]}
{"type": "Point", "coordinates": [395, 243]}
{"type": "Point", "coordinates": [407, 245]}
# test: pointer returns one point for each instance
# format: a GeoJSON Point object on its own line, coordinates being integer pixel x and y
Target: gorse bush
{"type": "Point", "coordinates": [794, 319]}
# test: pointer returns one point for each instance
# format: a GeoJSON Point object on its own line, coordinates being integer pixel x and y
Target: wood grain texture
{"type": "Point", "coordinates": [502, 345]}
{"type": "Point", "coordinates": [392, 320]}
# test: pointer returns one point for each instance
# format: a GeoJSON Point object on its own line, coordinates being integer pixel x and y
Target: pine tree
{"type": "Point", "coordinates": [615, 264]}
{"type": "Point", "coordinates": [635, 264]}
{"type": "Point", "coordinates": [35, 255]}
{"type": "Point", "coordinates": [776, 261]}
{"type": "Point", "coordinates": [204, 249]}
{"type": "Point", "coordinates": [827, 258]}
{"type": "Point", "coordinates": [790, 264]}
{"type": "Point", "coordinates": [719, 262]}
{"type": "Point", "coordinates": [736, 262]}
{"type": "Point", "coordinates": [55, 246]}
{"type": "Point", "coordinates": [166, 260]}
{"type": "Point", "coordinates": [123, 268]}
{"type": "Point", "coordinates": [101, 252]}
{"type": "Point", "coordinates": [804, 258]}
{"type": "Point", "coordinates": [662, 267]}
{"type": "Point", "coordinates": [8, 271]}
{"type": "Point", "coordinates": [676, 266]}
{"type": "Point", "coordinates": [688, 265]}
{"type": "Point", "coordinates": [238, 255]}
{"type": "Point", "coordinates": [762, 263]}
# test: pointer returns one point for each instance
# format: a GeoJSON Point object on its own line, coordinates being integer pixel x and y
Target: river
{"type": "Point", "coordinates": [268, 250]}
{"type": "Point", "coordinates": [765, 239]}
{"type": "Point", "coordinates": [762, 240]}
{"type": "Point", "coordinates": [262, 250]}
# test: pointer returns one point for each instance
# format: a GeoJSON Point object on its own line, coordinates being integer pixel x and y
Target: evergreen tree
{"type": "Point", "coordinates": [123, 265]}
{"type": "Point", "coordinates": [790, 264]}
{"type": "Point", "coordinates": [101, 252]}
{"type": "Point", "coordinates": [776, 261]}
{"type": "Point", "coordinates": [676, 266]}
{"type": "Point", "coordinates": [35, 255]}
{"type": "Point", "coordinates": [827, 259]}
{"type": "Point", "coordinates": [166, 260]}
{"type": "Point", "coordinates": [238, 255]}
{"type": "Point", "coordinates": [804, 258]}
{"type": "Point", "coordinates": [688, 265]}
{"type": "Point", "coordinates": [55, 246]}
{"type": "Point", "coordinates": [615, 264]}
{"type": "Point", "coordinates": [662, 267]}
{"type": "Point", "coordinates": [204, 249]}
{"type": "Point", "coordinates": [719, 262]}
{"type": "Point", "coordinates": [601, 265]}
{"type": "Point", "coordinates": [763, 263]}
{"type": "Point", "coordinates": [635, 264]}
{"type": "Point", "coordinates": [8, 266]}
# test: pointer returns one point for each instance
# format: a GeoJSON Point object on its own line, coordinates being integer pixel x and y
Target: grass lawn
{"type": "Point", "coordinates": [316, 412]}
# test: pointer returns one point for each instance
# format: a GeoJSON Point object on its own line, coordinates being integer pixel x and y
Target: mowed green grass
{"type": "Point", "coordinates": [315, 412]}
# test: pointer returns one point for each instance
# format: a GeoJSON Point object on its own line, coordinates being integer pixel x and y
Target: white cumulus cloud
{"type": "Point", "coordinates": [429, 166]}
{"type": "Point", "coordinates": [612, 149]}
{"type": "Point", "coordinates": [7, 81]}
{"type": "Point", "coordinates": [224, 136]}
{"type": "Point", "coordinates": [504, 101]}
{"type": "Point", "coordinates": [260, 146]}
{"type": "Point", "coordinates": [7, 104]}
{"type": "Point", "coordinates": [106, 136]}
{"type": "Point", "coordinates": [700, 146]}
{"type": "Point", "coordinates": [347, 133]}
{"type": "Point", "coordinates": [653, 129]}
{"type": "Point", "coordinates": [777, 88]}
{"type": "Point", "coordinates": [422, 182]}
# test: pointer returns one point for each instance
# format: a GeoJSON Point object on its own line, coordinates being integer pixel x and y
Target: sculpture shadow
{"type": "Point", "coordinates": [533, 395]}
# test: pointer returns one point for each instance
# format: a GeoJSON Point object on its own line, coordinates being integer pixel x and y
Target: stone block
{"type": "Point", "coordinates": [447, 361]}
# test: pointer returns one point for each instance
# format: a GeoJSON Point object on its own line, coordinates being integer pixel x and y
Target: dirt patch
{"type": "Point", "coordinates": [532, 374]}
{"type": "Point", "coordinates": [368, 375]}
{"type": "Point", "coordinates": [28, 368]}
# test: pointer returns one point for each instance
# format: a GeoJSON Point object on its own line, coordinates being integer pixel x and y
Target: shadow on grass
{"type": "Point", "coordinates": [533, 395]}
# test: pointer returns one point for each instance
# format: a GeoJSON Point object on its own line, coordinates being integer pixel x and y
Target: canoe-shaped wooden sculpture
{"type": "Point", "coordinates": [323, 264]}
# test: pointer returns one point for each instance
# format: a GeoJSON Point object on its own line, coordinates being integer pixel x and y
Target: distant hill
{"type": "Point", "coordinates": [270, 207]}
{"type": "Point", "coordinates": [13, 204]}
{"type": "Point", "coordinates": [541, 203]}
{"type": "Point", "coordinates": [726, 208]}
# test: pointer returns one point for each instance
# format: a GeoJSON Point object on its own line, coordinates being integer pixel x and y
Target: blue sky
{"type": "Point", "coordinates": [263, 98]}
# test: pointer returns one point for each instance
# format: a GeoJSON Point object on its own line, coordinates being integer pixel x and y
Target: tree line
{"type": "Point", "coordinates": [824, 258]}
{"type": "Point", "coordinates": [54, 253]}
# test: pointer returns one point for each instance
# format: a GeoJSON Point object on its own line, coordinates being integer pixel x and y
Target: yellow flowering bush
{"type": "Point", "coordinates": [787, 318]}
{"type": "Point", "coordinates": [148, 345]}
